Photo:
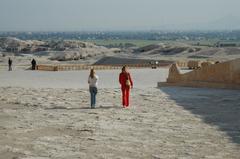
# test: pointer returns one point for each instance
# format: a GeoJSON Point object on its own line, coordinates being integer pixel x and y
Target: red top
{"type": "Point", "coordinates": [123, 77]}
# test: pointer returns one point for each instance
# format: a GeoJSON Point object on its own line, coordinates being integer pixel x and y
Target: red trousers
{"type": "Point", "coordinates": [125, 96]}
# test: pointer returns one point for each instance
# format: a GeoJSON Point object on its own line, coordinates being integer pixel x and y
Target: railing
{"type": "Point", "coordinates": [68, 67]}
{"type": "Point", "coordinates": [47, 68]}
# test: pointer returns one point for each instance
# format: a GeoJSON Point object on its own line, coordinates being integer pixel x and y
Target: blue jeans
{"type": "Point", "coordinates": [10, 68]}
{"type": "Point", "coordinates": [93, 93]}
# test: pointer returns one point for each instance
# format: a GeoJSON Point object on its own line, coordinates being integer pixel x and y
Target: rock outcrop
{"type": "Point", "coordinates": [15, 45]}
{"type": "Point", "coordinates": [60, 50]}
{"type": "Point", "coordinates": [174, 74]}
{"type": "Point", "coordinates": [166, 49]}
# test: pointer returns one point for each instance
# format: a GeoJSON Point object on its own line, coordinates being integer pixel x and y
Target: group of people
{"type": "Point", "coordinates": [125, 80]}
{"type": "Point", "coordinates": [10, 62]}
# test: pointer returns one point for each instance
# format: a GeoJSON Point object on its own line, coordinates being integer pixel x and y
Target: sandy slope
{"type": "Point", "coordinates": [164, 123]}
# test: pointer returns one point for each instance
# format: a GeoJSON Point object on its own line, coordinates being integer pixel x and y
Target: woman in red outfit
{"type": "Point", "coordinates": [126, 84]}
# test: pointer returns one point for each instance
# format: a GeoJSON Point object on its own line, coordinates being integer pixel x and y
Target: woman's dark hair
{"type": "Point", "coordinates": [92, 73]}
{"type": "Point", "coordinates": [124, 68]}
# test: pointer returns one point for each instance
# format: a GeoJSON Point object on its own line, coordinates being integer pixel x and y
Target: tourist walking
{"type": "Point", "coordinates": [126, 83]}
{"type": "Point", "coordinates": [9, 64]}
{"type": "Point", "coordinates": [93, 82]}
{"type": "Point", "coordinates": [34, 63]}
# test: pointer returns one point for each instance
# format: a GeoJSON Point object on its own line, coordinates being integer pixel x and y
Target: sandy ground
{"type": "Point", "coordinates": [39, 120]}
{"type": "Point", "coordinates": [143, 78]}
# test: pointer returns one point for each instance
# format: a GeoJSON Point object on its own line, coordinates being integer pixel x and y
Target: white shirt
{"type": "Point", "coordinates": [93, 82]}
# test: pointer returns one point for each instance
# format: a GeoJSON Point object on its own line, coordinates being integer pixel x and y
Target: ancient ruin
{"type": "Point", "coordinates": [220, 75]}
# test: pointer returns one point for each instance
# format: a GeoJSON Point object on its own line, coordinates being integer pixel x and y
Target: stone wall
{"type": "Point", "coordinates": [221, 75]}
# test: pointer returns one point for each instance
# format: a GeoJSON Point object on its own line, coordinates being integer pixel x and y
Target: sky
{"type": "Point", "coordinates": [83, 15]}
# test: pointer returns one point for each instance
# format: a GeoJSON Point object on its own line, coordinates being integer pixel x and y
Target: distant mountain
{"type": "Point", "coordinates": [226, 23]}
{"type": "Point", "coordinates": [229, 22]}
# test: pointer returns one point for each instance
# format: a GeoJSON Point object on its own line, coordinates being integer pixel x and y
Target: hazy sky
{"type": "Point", "coordinates": [77, 15]}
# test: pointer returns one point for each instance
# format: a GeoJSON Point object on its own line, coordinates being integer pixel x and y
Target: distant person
{"type": "Point", "coordinates": [126, 83]}
{"type": "Point", "coordinates": [34, 63]}
{"type": "Point", "coordinates": [93, 82]}
{"type": "Point", "coordinates": [9, 64]}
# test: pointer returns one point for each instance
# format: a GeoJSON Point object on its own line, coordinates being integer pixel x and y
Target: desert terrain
{"type": "Point", "coordinates": [85, 52]}
{"type": "Point", "coordinates": [183, 57]}
{"type": "Point", "coordinates": [46, 115]}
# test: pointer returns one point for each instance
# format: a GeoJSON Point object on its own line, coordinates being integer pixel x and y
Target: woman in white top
{"type": "Point", "coordinates": [93, 81]}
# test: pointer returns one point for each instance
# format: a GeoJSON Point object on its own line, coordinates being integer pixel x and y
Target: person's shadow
{"type": "Point", "coordinates": [215, 106]}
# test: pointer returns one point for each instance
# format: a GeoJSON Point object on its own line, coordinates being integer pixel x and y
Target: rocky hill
{"type": "Point", "coordinates": [187, 51]}
{"type": "Point", "coordinates": [61, 50]}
